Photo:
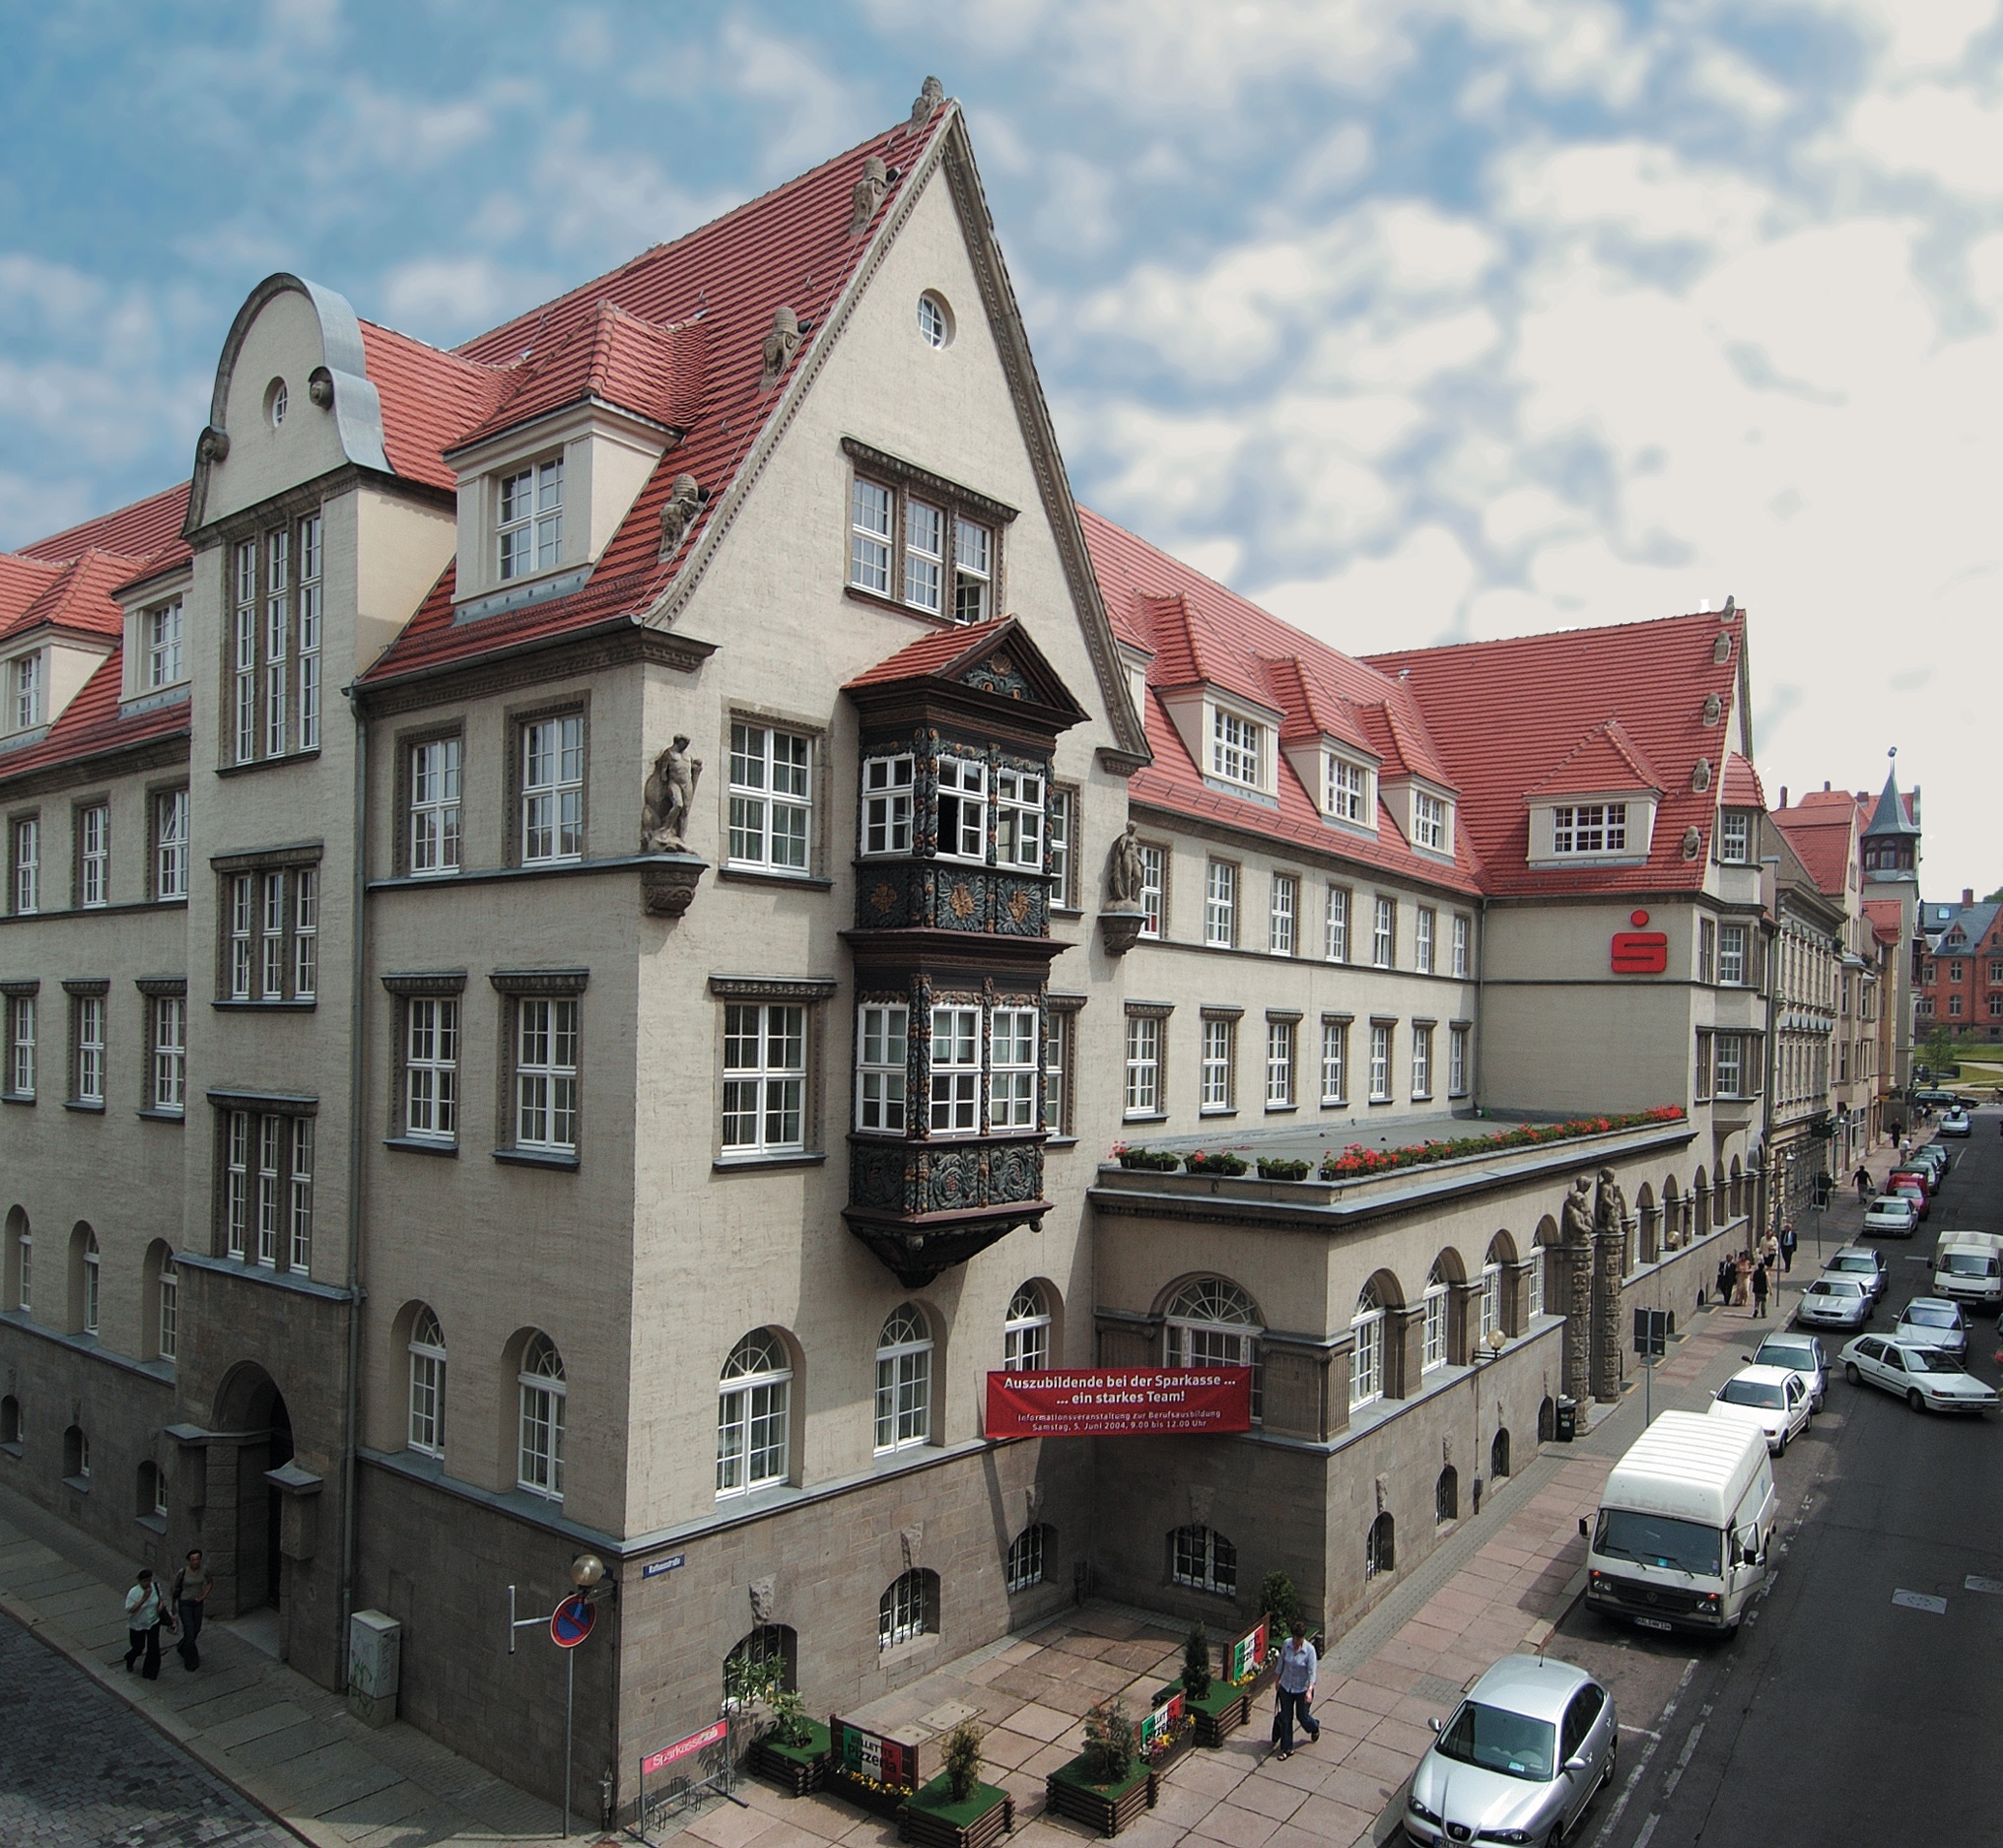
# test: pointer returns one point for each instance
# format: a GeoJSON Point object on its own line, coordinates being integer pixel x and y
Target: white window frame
{"type": "Point", "coordinates": [925, 556]}
{"type": "Point", "coordinates": [1212, 1322]}
{"type": "Point", "coordinates": [1384, 932]}
{"type": "Point", "coordinates": [1281, 1041]}
{"type": "Point", "coordinates": [277, 636]}
{"type": "Point", "coordinates": [1585, 829]}
{"type": "Point", "coordinates": [552, 820]}
{"type": "Point", "coordinates": [1735, 837]}
{"type": "Point", "coordinates": [1238, 749]}
{"type": "Point", "coordinates": [1220, 903]}
{"type": "Point", "coordinates": [1060, 1059]}
{"type": "Point", "coordinates": [29, 692]}
{"type": "Point", "coordinates": [883, 1066]}
{"type": "Point", "coordinates": [424, 1405]}
{"type": "Point", "coordinates": [1433, 1353]}
{"type": "Point", "coordinates": [1380, 1061]}
{"type": "Point", "coordinates": [543, 1407]}
{"type": "Point", "coordinates": [1492, 1302]}
{"type": "Point", "coordinates": [973, 571]}
{"type": "Point", "coordinates": [1335, 925]}
{"type": "Point", "coordinates": [904, 1357]}
{"type": "Point", "coordinates": [1733, 961]}
{"type": "Point", "coordinates": [1430, 822]}
{"type": "Point", "coordinates": [1153, 888]}
{"type": "Point", "coordinates": [436, 767]}
{"type": "Point", "coordinates": [546, 1073]}
{"type": "Point", "coordinates": [167, 1331]}
{"type": "Point", "coordinates": [1019, 819]}
{"type": "Point", "coordinates": [171, 843]}
{"type": "Point", "coordinates": [272, 956]}
{"type": "Point", "coordinates": [431, 1068]}
{"type": "Point", "coordinates": [771, 799]}
{"type": "Point", "coordinates": [529, 518]}
{"type": "Point", "coordinates": [1421, 1062]}
{"type": "Point", "coordinates": [1734, 1064]}
{"type": "Point", "coordinates": [305, 932]}
{"type": "Point", "coordinates": [1059, 829]}
{"type": "Point", "coordinates": [94, 855]}
{"type": "Point", "coordinates": [163, 628]}
{"type": "Point", "coordinates": [242, 918]}
{"type": "Point", "coordinates": [92, 1283]}
{"type": "Point", "coordinates": [1282, 917]}
{"type": "Point", "coordinates": [1463, 931]}
{"type": "Point", "coordinates": [963, 794]}
{"type": "Point", "coordinates": [888, 787]}
{"type": "Point", "coordinates": [1218, 1061]}
{"type": "Point", "coordinates": [1025, 1331]}
{"type": "Point", "coordinates": [90, 1056]}
{"type": "Point", "coordinates": [1012, 1069]}
{"type": "Point", "coordinates": [1334, 1062]}
{"type": "Point", "coordinates": [766, 1055]}
{"type": "Point", "coordinates": [28, 866]}
{"type": "Point", "coordinates": [244, 656]}
{"type": "Point", "coordinates": [310, 630]}
{"type": "Point", "coordinates": [237, 1134]}
{"type": "Point", "coordinates": [955, 1091]}
{"type": "Point", "coordinates": [1425, 925]}
{"type": "Point", "coordinates": [1345, 790]}
{"type": "Point", "coordinates": [1366, 1357]}
{"type": "Point", "coordinates": [20, 1045]}
{"type": "Point", "coordinates": [754, 1417]}
{"type": "Point", "coordinates": [1144, 1066]}
{"type": "Point", "coordinates": [169, 1053]}
{"type": "Point", "coordinates": [1457, 1061]}
{"type": "Point", "coordinates": [872, 515]}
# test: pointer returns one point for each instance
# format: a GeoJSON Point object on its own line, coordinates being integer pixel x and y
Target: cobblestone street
{"type": "Point", "coordinates": [79, 1770]}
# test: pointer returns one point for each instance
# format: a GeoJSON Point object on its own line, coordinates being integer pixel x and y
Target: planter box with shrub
{"type": "Point", "coordinates": [934, 1820]}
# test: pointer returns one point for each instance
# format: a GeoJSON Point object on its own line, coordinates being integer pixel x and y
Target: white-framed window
{"type": "Point", "coordinates": [28, 866]}
{"type": "Point", "coordinates": [764, 1079]}
{"type": "Point", "coordinates": [24, 1296]}
{"type": "Point", "coordinates": [1144, 1066]}
{"type": "Point", "coordinates": [21, 1046]}
{"type": "Point", "coordinates": [1012, 1069]}
{"type": "Point", "coordinates": [170, 1052]}
{"type": "Point", "coordinates": [426, 1353]}
{"type": "Point", "coordinates": [924, 539]}
{"type": "Point", "coordinates": [1025, 1558]}
{"type": "Point", "coordinates": [1025, 1333]}
{"type": "Point", "coordinates": [1735, 837]}
{"type": "Point", "coordinates": [435, 769]}
{"type": "Point", "coordinates": [1334, 1062]}
{"type": "Point", "coordinates": [1345, 790]}
{"type": "Point", "coordinates": [869, 527]}
{"type": "Point", "coordinates": [94, 855]}
{"type": "Point", "coordinates": [1205, 1560]}
{"type": "Point", "coordinates": [544, 1393]}
{"type": "Point", "coordinates": [908, 1609]}
{"type": "Point", "coordinates": [271, 957]}
{"type": "Point", "coordinates": [1238, 749]}
{"type": "Point", "coordinates": [243, 917]}
{"type": "Point", "coordinates": [1421, 1062]}
{"type": "Point", "coordinates": [1589, 828]}
{"type": "Point", "coordinates": [1211, 1323]}
{"type": "Point", "coordinates": [1425, 922]}
{"type": "Point", "coordinates": [886, 804]}
{"type": "Point", "coordinates": [553, 789]}
{"type": "Point", "coordinates": [1284, 915]}
{"type": "Point", "coordinates": [170, 844]}
{"type": "Point", "coordinates": [546, 1074]}
{"type": "Point", "coordinates": [957, 585]}
{"type": "Point", "coordinates": [1059, 1061]}
{"type": "Point", "coordinates": [1220, 1036]}
{"type": "Point", "coordinates": [955, 1070]}
{"type": "Point", "coordinates": [1457, 1061]}
{"type": "Point", "coordinates": [305, 932]}
{"type": "Point", "coordinates": [1018, 820]}
{"type": "Point", "coordinates": [270, 1169]}
{"type": "Point", "coordinates": [754, 1415]}
{"type": "Point", "coordinates": [162, 631]}
{"type": "Point", "coordinates": [28, 692]}
{"type": "Point", "coordinates": [973, 570]}
{"type": "Point", "coordinates": [882, 1057]}
{"type": "Point", "coordinates": [771, 805]}
{"type": "Point", "coordinates": [1153, 888]}
{"type": "Point", "coordinates": [1380, 1061]}
{"type": "Point", "coordinates": [431, 1067]}
{"type": "Point", "coordinates": [243, 654]}
{"type": "Point", "coordinates": [90, 1065]}
{"type": "Point", "coordinates": [310, 631]}
{"type": "Point", "coordinates": [529, 519]}
{"type": "Point", "coordinates": [1463, 926]}
{"type": "Point", "coordinates": [962, 810]}
{"type": "Point", "coordinates": [1492, 1301]}
{"type": "Point", "coordinates": [267, 1185]}
{"type": "Point", "coordinates": [169, 1331]}
{"type": "Point", "coordinates": [93, 1276]}
{"type": "Point", "coordinates": [1062, 826]}
{"type": "Point", "coordinates": [1383, 932]}
{"type": "Point", "coordinates": [1728, 1070]}
{"type": "Point", "coordinates": [1707, 948]}
{"type": "Point", "coordinates": [1732, 955]}
{"type": "Point", "coordinates": [236, 1185]}
{"type": "Point", "coordinates": [1280, 1065]}
{"type": "Point", "coordinates": [1220, 905]}
{"type": "Point", "coordinates": [904, 1380]}
{"type": "Point", "coordinates": [277, 636]}
{"type": "Point", "coordinates": [1436, 1348]}
{"type": "Point", "coordinates": [1429, 822]}
{"type": "Point", "coordinates": [1366, 1358]}
{"type": "Point", "coordinates": [1336, 927]}
{"type": "Point", "coordinates": [1537, 1305]}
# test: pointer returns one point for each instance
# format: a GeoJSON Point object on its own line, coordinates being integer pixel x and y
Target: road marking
{"type": "Point", "coordinates": [1920, 1600]}
{"type": "Point", "coordinates": [1643, 1733]}
{"type": "Point", "coordinates": [1666, 1714]}
{"type": "Point", "coordinates": [1648, 1830]}
{"type": "Point", "coordinates": [1690, 1747]}
{"type": "Point", "coordinates": [1983, 1585]}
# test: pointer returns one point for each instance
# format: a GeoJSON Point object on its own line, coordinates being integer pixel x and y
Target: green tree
{"type": "Point", "coordinates": [1280, 1603]}
{"type": "Point", "coordinates": [1195, 1661]}
{"type": "Point", "coordinates": [963, 1760]}
{"type": "Point", "coordinates": [1110, 1742]}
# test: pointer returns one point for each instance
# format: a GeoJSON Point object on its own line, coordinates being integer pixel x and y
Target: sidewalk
{"type": "Point", "coordinates": [1500, 1583]}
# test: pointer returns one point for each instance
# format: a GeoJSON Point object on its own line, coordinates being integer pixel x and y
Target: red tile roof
{"type": "Point", "coordinates": [929, 654]}
{"type": "Point", "coordinates": [716, 289]}
{"type": "Point", "coordinates": [77, 597]}
{"type": "Point", "coordinates": [143, 531]}
{"type": "Point", "coordinates": [92, 725]}
{"type": "Point", "coordinates": [22, 582]}
{"type": "Point", "coordinates": [1506, 715]}
{"type": "Point", "coordinates": [1203, 632]}
{"type": "Point", "coordinates": [1741, 786]}
{"type": "Point", "coordinates": [1887, 920]}
{"type": "Point", "coordinates": [1604, 761]}
{"type": "Point", "coordinates": [1822, 838]}
{"type": "Point", "coordinates": [430, 401]}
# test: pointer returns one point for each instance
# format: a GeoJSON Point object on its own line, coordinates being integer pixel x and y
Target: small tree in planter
{"type": "Point", "coordinates": [1282, 1603]}
{"type": "Point", "coordinates": [1109, 1742]}
{"type": "Point", "coordinates": [789, 1716]}
{"type": "Point", "coordinates": [1195, 1661]}
{"type": "Point", "coordinates": [963, 1760]}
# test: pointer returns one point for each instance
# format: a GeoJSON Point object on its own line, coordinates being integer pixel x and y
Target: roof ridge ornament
{"type": "Point", "coordinates": [932, 93]}
{"type": "Point", "coordinates": [871, 186]}
{"type": "Point", "coordinates": [781, 344]}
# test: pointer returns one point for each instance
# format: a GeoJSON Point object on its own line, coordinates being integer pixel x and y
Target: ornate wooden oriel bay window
{"type": "Point", "coordinates": [952, 947]}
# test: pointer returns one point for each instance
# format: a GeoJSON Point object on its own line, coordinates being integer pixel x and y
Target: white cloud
{"type": "Point", "coordinates": [457, 295]}
{"type": "Point", "coordinates": [1940, 131]}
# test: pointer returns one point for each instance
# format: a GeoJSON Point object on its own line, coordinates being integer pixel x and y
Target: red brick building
{"type": "Point", "coordinates": [1961, 976]}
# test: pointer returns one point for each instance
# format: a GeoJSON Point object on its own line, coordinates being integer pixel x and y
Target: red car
{"type": "Point", "coordinates": [1912, 1185]}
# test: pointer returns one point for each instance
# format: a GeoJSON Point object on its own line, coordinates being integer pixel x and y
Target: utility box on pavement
{"type": "Point", "coordinates": [375, 1666]}
{"type": "Point", "coordinates": [1567, 1423]}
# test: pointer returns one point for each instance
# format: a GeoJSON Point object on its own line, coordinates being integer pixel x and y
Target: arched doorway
{"type": "Point", "coordinates": [252, 1412]}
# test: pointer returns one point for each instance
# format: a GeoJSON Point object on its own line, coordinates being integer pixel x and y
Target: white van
{"type": "Point", "coordinates": [1968, 1266]}
{"type": "Point", "coordinates": [1685, 1524]}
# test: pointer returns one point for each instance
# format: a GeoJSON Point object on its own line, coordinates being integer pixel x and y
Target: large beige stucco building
{"type": "Point", "coordinates": [563, 994]}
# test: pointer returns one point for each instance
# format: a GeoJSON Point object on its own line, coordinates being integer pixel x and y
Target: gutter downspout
{"type": "Point", "coordinates": [1481, 1001]}
{"type": "Point", "coordinates": [357, 1023]}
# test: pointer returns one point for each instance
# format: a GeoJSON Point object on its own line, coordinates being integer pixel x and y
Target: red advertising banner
{"type": "Point", "coordinates": [1136, 1402]}
{"type": "Point", "coordinates": [711, 1735]}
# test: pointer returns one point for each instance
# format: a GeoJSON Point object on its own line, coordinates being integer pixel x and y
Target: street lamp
{"type": "Point", "coordinates": [1488, 1347]}
{"type": "Point", "coordinates": [587, 1570]}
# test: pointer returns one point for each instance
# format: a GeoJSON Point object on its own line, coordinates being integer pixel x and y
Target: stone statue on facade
{"type": "Point", "coordinates": [780, 343]}
{"type": "Point", "coordinates": [1609, 1207]}
{"type": "Point", "coordinates": [1575, 1217]}
{"type": "Point", "coordinates": [669, 796]}
{"type": "Point", "coordinates": [932, 93]}
{"type": "Point", "coordinates": [869, 194]}
{"type": "Point", "coordinates": [678, 513]}
{"type": "Point", "coordinates": [1124, 872]}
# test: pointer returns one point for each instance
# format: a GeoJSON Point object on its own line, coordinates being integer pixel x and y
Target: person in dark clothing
{"type": "Point", "coordinates": [190, 1594]}
{"type": "Point", "coordinates": [1724, 1280]}
{"type": "Point", "coordinates": [1760, 1288]}
{"type": "Point", "coordinates": [143, 1618]}
{"type": "Point", "coordinates": [1787, 1246]}
{"type": "Point", "coordinates": [1863, 1185]}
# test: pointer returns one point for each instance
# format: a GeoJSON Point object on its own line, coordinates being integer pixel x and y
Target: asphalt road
{"type": "Point", "coordinates": [1839, 1715]}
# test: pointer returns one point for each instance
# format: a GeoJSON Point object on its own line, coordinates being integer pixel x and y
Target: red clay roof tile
{"type": "Point", "coordinates": [143, 531]}
{"type": "Point", "coordinates": [1605, 760]}
{"type": "Point", "coordinates": [1821, 838]}
{"type": "Point", "coordinates": [1741, 786]}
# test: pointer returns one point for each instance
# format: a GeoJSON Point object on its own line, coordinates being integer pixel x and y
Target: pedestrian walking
{"type": "Point", "coordinates": [1760, 1288]}
{"type": "Point", "coordinates": [1788, 1243]}
{"type": "Point", "coordinates": [143, 1618]}
{"type": "Point", "coordinates": [1293, 1690]}
{"type": "Point", "coordinates": [190, 1594]}
{"type": "Point", "coordinates": [1863, 1185]}
{"type": "Point", "coordinates": [1724, 1280]}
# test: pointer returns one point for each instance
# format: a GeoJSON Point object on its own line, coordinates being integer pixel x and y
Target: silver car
{"type": "Point", "coordinates": [1934, 1321]}
{"type": "Point", "coordinates": [1834, 1303]}
{"type": "Point", "coordinates": [1927, 1379]}
{"type": "Point", "coordinates": [1519, 1758]}
{"type": "Point", "coordinates": [1893, 1213]}
{"type": "Point", "coordinates": [1864, 1263]}
{"type": "Point", "coordinates": [1801, 1354]}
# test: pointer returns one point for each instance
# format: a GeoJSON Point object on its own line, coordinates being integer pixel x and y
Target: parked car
{"type": "Point", "coordinates": [1913, 1187]}
{"type": "Point", "coordinates": [1933, 1155]}
{"type": "Point", "coordinates": [1836, 1303]}
{"type": "Point", "coordinates": [1957, 1122]}
{"type": "Point", "coordinates": [1862, 1262]}
{"type": "Point", "coordinates": [1934, 1321]}
{"type": "Point", "coordinates": [1924, 1377]}
{"type": "Point", "coordinates": [1891, 1213]}
{"type": "Point", "coordinates": [1518, 1761]}
{"type": "Point", "coordinates": [1770, 1397]}
{"type": "Point", "coordinates": [1802, 1355]}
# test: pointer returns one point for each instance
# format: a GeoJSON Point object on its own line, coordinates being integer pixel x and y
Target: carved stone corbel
{"type": "Point", "coordinates": [667, 883]}
{"type": "Point", "coordinates": [1120, 931]}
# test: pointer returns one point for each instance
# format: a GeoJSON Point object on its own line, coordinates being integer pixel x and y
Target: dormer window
{"type": "Point", "coordinates": [1346, 790]}
{"type": "Point", "coordinates": [1589, 828]}
{"type": "Point", "coordinates": [1429, 822]}
{"type": "Point", "coordinates": [1735, 837]}
{"type": "Point", "coordinates": [162, 632]}
{"type": "Point", "coordinates": [26, 692]}
{"type": "Point", "coordinates": [530, 522]}
{"type": "Point", "coordinates": [1238, 749]}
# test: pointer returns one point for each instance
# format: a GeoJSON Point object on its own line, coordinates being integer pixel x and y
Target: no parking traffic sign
{"type": "Point", "coordinates": [571, 1621]}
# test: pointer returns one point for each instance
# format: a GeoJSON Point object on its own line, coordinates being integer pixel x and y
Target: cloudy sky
{"type": "Point", "coordinates": [1416, 319]}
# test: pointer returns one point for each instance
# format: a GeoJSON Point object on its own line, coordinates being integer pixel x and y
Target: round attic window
{"type": "Point", "coordinates": [275, 402]}
{"type": "Point", "coordinates": [934, 319]}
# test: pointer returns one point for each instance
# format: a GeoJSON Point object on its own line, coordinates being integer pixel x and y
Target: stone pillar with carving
{"type": "Point", "coordinates": [1578, 1250]}
{"type": "Point", "coordinates": [1610, 1246]}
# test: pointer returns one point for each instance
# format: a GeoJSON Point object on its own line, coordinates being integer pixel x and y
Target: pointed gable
{"type": "Point", "coordinates": [992, 660]}
{"type": "Point", "coordinates": [1605, 761]}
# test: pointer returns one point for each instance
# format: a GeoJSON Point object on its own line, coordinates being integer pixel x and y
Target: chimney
{"type": "Point", "coordinates": [1967, 896]}
{"type": "Point", "coordinates": [1826, 786]}
{"type": "Point", "coordinates": [1783, 795]}
{"type": "Point", "coordinates": [1914, 806]}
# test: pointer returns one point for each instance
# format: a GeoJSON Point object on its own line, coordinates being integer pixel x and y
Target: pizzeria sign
{"type": "Point", "coordinates": [1125, 1401]}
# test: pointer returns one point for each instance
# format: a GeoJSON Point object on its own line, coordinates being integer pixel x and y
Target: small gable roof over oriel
{"type": "Point", "coordinates": [993, 660]}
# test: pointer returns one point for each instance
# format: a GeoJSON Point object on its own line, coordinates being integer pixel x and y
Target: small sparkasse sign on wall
{"type": "Point", "coordinates": [1130, 1401]}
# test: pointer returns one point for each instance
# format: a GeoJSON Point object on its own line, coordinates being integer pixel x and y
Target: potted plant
{"type": "Point", "coordinates": [1159, 1160]}
{"type": "Point", "coordinates": [1107, 1786]}
{"type": "Point", "coordinates": [956, 1809]}
{"type": "Point", "coordinates": [793, 1755]}
{"type": "Point", "coordinates": [1218, 1707]}
{"type": "Point", "coordinates": [1222, 1162]}
{"type": "Point", "coordinates": [1272, 1168]}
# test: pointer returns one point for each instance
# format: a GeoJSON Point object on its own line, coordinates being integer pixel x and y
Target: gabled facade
{"type": "Point", "coordinates": [1961, 976]}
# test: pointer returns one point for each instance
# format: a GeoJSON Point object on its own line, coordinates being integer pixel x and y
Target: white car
{"type": "Point", "coordinates": [1924, 1377]}
{"type": "Point", "coordinates": [1776, 1398]}
{"type": "Point", "coordinates": [1892, 1214]}
{"type": "Point", "coordinates": [1802, 1355]}
{"type": "Point", "coordinates": [1957, 1123]}
{"type": "Point", "coordinates": [1834, 1303]}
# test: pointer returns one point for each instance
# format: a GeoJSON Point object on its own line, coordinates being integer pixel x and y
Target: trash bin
{"type": "Point", "coordinates": [1568, 1418]}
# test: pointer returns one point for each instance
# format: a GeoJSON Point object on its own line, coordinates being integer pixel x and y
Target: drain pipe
{"type": "Point", "coordinates": [357, 1022]}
